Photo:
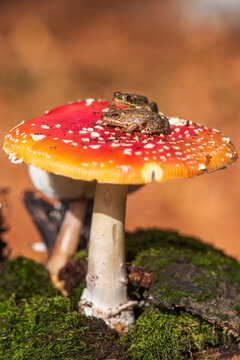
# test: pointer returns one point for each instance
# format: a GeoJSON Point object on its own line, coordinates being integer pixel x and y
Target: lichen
{"type": "Point", "coordinates": [46, 328]}
{"type": "Point", "coordinates": [168, 335]}
{"type": "Point", "coordinates": [24, 278]}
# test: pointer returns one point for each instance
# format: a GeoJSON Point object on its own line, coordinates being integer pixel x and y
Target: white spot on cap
{"type": "Point", "coordinates": [229, 155]}
{"type": "Point", "coordinates": [226, 139]}
{"type": "Point", "coordinates": [149, 146]}
{"type": "Point", "coordinates": [67, 141]}
{"type": "Point", "coordinates": [45, 127]}
{"type": "Point", "coordinates": [37, 137]}
{"type": "Point", "coordinates": [85, 139]}
{"type": "Point", "coordinates": [58, 126]}
{"type": "Point", "coordinates": [95, 134]}
{"type": "Point", "coordinates": [89, 101]}
{"type": "Point", "coordinates": [126, 144]}
{"type": "Point", "coordinates": [15, 160]}
{"type": "Point", "coordinates": [94, 146]}
{"type": "Point", "coordinates": [202, 167]}
{"type": "Point", "coordinates": [128, 151]}
{"type": "Point", "coordinates": [151, 171]}
{"type": "Point", "coordinates": [125, 168]}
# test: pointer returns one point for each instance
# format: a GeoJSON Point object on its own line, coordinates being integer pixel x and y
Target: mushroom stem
{"type": "Point", "coordinates": [106, 293]}
{"type": "Point", "coordinates": [69, 236]}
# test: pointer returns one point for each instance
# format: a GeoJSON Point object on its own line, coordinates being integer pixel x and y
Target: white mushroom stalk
{"type": "Point", "coordinates": [106, 293]}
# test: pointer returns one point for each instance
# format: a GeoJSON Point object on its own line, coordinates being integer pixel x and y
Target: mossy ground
{"type": "Point", "coordinates": [24, 278]}
{"type": "Point", "coordinates": [36, 324]}
{"type": "Point", "coordinates": [45, 328]}
{"type": "Point", "coordinates": [163, 334]}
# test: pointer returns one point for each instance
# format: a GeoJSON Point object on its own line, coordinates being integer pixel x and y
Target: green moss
{"type": "Point", "coordinates": [45, 328]}
{"type": "Point", "coordinates": [153, 238]}
{"type": "Point", "coordinates": [79, 255]}
{"type": "Point", "coordinates": [170, 335]}
{"type": "Point", "coordinates": [174, 246]}
{"type": "Point", "coordinates": [77, 293]}
{"type": "Point", "coordinates": [24, 278]}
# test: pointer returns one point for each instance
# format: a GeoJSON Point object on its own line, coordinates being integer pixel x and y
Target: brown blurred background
{"type": "Point", "coordinates": [184, 55]}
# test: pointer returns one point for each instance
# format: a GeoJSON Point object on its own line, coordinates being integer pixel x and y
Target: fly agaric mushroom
{"type": "Point", "coordinates": [73, 141]}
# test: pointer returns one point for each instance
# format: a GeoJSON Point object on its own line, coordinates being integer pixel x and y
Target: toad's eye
{"type": "Point", "coordinates": [128, 98]}
{"type": "Point", "coordinates": [115, 115]}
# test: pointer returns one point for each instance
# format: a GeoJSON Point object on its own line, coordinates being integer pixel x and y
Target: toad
{"type": "Point", "coordinates": [147, 122]}
{"type": "Point", "coordinates": [129, 101]}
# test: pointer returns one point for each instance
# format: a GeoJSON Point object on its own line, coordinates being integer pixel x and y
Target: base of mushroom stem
{"type": "Point", "coordinates": [121, 318]}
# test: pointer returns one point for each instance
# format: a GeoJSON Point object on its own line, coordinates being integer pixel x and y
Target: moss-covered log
{"type": "Point", "coordinates": [184, 272]}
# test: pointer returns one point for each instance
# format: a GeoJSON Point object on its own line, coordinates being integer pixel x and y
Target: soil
{"type": "Point", "coordinates": [73, 273]}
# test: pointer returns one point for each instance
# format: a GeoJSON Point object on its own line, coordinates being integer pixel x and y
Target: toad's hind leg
{"type": "Point", "coordinates": [138, 124]}
{"type": "Point", "coordinates": [132, 127]}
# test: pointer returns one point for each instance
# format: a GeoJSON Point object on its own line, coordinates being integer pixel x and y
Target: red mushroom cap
{"type": "Point", "coordinates": [73, 141]}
